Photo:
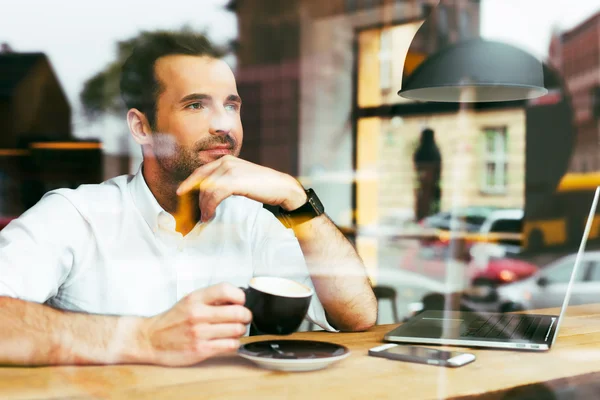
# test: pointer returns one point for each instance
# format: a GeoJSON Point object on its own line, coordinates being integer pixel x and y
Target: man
{"type": "Point", "coordinates": [146, 268]}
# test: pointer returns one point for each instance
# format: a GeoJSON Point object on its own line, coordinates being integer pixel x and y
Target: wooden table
{"type": "Point", "coordinates": [572, 364]}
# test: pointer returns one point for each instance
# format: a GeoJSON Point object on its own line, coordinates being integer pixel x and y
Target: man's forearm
{"type": "Point", "coordinates": [338, 274]}
{"type": "Point", "coordinates": [35, 334]}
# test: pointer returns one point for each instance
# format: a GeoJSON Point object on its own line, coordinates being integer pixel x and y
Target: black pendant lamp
{"type": "Point", "coordinates": [475, 70]}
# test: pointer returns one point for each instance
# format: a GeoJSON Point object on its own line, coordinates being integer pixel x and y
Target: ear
{"type": "Point", "coordinates": [139, 127]}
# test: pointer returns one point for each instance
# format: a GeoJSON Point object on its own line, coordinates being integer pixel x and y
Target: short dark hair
{"type": "Point", "coordinates": [139, 85]}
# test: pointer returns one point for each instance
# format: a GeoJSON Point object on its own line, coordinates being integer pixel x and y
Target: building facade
{"type": "Point", "coordinates": [576, 54]}
{"type": "Point", "coordinates": [297, 73]}
{"type": "Point", "coordinates": [482, 148]}
{"type": "Point", "coordinates": [37, 150]}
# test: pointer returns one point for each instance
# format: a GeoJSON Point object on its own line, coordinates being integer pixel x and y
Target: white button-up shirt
{"type": "Point", "coordinates": [111, 249]}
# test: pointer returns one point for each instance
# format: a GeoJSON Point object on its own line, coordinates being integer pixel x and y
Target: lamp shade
{"type": "Point", "coordinates": [477, 70]}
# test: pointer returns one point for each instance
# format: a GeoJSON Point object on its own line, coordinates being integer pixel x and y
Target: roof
{"type": "Point", "coordinates": [589, 22]}
{"type": "Point", "coordinates": [14, 67]}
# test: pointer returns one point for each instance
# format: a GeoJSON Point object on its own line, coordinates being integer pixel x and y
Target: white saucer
{"type": "Point", "coordinates": [293, 355]}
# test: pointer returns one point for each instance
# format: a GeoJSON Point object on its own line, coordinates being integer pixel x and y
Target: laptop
{"type": "Point", "coordinates": [487, 329]}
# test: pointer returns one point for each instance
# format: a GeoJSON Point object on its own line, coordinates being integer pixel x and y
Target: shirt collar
{"type": "Point", "coordinates": [145, 200]}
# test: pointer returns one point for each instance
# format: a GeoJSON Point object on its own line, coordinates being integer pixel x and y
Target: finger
{"type": "Point", "coordinates": [228, 314]}
{"type": "Point", "coordinates": [223, 293]}
{"type": "Point", "coordinates": [194, 180]}
{"type": "Point", "coordinates": [219, 331]}
{"type": "Point", "coordinates": [213, 190]}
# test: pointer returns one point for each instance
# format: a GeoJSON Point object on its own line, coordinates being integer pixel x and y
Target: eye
{"type": "Point", "coordinates": [232, 107]}
{"type": "Point", "coordinates": [194, 106]}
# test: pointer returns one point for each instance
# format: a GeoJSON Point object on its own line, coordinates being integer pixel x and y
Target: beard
{"type": "Point", "coordinates": [179, 162]}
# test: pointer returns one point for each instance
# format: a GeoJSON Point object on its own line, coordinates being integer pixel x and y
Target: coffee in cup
{"type": "Point", "coordinates": [278, 305]}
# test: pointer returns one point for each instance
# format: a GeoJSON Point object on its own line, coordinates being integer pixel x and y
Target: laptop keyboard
{"type": "Point", "coordinates": [506, 326]}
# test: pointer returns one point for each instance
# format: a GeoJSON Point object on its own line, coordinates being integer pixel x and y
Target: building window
{"type": "Point", "coordinates": [464, 24]}
{"type": "Point", "coordinates": [583, 167]}
{"type": "Point", "coordinates": [385, 59]}
{"type": "Point", "coordinates": [495, 159]}
{"type": "Point", "coordinates": [400, 6]}
{"type": "Point", "coordinates": [368, 4]}
{"type": "Point", "coordinates": [596, 102]}
{"type": "Point", "coordinates": [426, 10]}
{"type": "Point", "coordinates": [443, 26]}
{"type": "Point", "coordinates": [4, 192]}
{"type": "Point", "coordinates": [350, 6]}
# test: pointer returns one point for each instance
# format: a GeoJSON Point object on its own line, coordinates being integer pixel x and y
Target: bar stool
{"type": "Point", "coordinates": [383, 292]}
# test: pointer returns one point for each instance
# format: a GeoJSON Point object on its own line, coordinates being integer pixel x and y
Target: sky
{"type": "Point", "coordinates": [80, 36]}
{"type": "Point", "coordinates": [529, 23]}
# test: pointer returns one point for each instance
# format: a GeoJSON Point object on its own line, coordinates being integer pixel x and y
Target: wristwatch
{"type": "Point", "coordinates": [312, 208]}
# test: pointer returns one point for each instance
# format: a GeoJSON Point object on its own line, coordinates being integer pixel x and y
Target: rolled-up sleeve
{"type": "Point", "coordinates": [277, 252]}
{"type": "Point", "coordinates": [37, 250]}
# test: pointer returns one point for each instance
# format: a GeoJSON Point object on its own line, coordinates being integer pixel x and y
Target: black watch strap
{"type": "Point", "coordinates": [312, 208]}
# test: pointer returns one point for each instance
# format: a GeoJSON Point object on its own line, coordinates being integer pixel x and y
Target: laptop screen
{"type": "Point", "coordinates": [576, 266]}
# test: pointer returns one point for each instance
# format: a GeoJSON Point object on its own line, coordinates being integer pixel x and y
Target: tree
{"type": "Point", "coordinates": [101, 94]}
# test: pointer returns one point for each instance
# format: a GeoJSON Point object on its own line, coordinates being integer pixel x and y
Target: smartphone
{"type": "Point", "coordinates": [424, 355]}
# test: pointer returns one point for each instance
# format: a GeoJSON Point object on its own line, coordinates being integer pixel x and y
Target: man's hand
{"type": "Point", "coordinates": [203, 324]}
{"type": "Point", "coordinates": [230, 175]}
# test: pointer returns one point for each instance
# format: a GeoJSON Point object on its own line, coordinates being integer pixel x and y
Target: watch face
{"type": "Point", "coordinates": [315, 202]}
{"type": "Point", "coordinates": [312, 208]}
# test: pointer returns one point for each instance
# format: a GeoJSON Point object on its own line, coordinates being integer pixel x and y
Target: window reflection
{"type": "Point", "coordinates": [539, 157]}
{"type": "Point", "coordinates": [495, 216]}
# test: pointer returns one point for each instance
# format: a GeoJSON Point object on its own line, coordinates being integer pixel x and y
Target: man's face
{"type": "Point", "coordinates": [198, 114]}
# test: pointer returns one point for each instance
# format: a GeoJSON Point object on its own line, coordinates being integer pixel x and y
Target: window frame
{"type": "Point", "coordinates": [499, 159]}
{"type": "Point", "coordinates": [385, 58]}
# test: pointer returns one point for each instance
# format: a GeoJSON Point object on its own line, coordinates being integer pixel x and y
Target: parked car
{"type": "Point", "coordinates": [5, 221]}
{"type": "Point", "coordinates": [496, 269]}
{"type": "Point", "coordinates": [503, 226]}
{"type": "Point", "coordinates": [503, 270]}
{"type": "Point", "coordinates": [548, 287]}
{"type": "Point", "coordinates": [469, 219]}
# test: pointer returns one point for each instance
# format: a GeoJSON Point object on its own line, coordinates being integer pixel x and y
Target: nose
{"type": "Point", "coordinates": [221, 123]}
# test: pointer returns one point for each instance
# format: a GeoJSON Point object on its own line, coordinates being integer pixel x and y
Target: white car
{"type": "Point", "coordinates": [509, 224]}
{"type": "Point", "coordinates": [501, 225]}
{"type": "Point", "coordinates": [548, 287]}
